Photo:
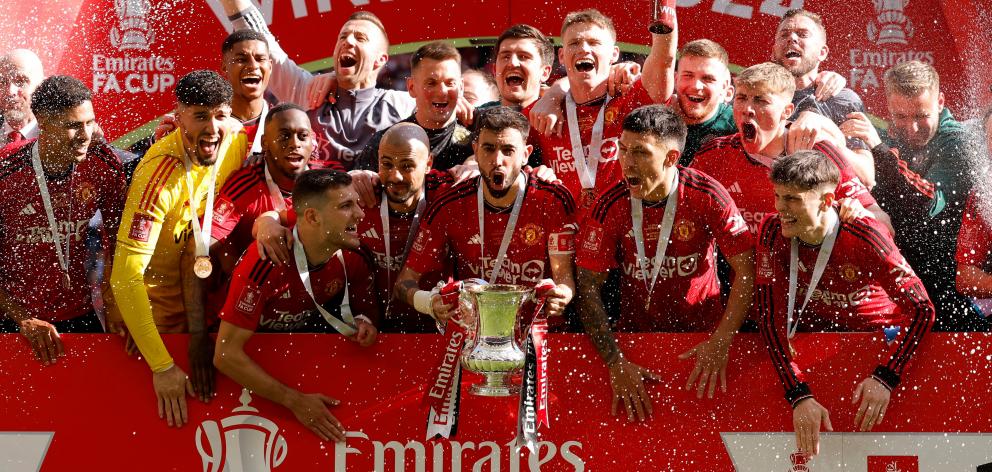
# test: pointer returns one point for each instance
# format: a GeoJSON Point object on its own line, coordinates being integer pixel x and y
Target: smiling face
{"type": "Point", "coordinates": [520, 71]}
{"type": "Point", "coordinates": [914, 120]}
{"type": "Point", "coordinates": [68, 134]}
{"type": "Point", "coordinates": [247, 66]}
{"type": "Point", "coordinates": [500, 156]}
{"type": "Point", "coordinates": [202, 129]}
{"type": "Point", "coordinates": [701, 84]}
{"type": "Point", "coordinates": [800, 211]}
{"type": "Point", "coordinates": [588, 51]}
{"type": "Point", "coordinates": [760, 115]}
{"type": "Point", "coordinates": [337, 220]}
{"type": "Point", "coordinates": [800, 46]}
{"type": "Point", "coordinates": [359, 54]}
{"type": "Point", "coordinates": [403, 165]}
{"type": "Point", "coordinates": [289, 142]}
{"type": "Point", "coordinates": [435, 85]}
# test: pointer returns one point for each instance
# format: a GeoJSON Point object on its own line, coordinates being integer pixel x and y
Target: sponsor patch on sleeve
{"type": "Point", "coordinates": [141, 227]}
{"type": "Point", "coordinates": [248, 299]}
{"type": "Point", "coordinates": [222, 210]}
{"type": "Point", "coordinates": [764, 268]}
{"type": "Point", "coordinates": [559, 243]}
{"type": "Point", "coordinates": [593, 239]}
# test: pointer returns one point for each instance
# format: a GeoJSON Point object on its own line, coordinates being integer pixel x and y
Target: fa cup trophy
{"type": "Point", "coordinates": [492, 348]}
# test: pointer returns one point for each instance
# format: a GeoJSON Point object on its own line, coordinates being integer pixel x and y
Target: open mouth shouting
{"type": "Point", "coordinates": [499, 179]}
{"type": "Point", "coordinates": [749, 131]}
{"type": "Point", "coordinates": [514, 79]}
{"type": "Point", "coordinates": [440, 107]}
{"type": "Point", "coordinates": [207, 147]}
{"type": "Point", "coordinates": [347, 63]}
{"type": "Point", "coordinates": [585, 65]}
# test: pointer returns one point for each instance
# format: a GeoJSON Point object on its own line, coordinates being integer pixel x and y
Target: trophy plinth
{"type": "Point", "coordinates": [492, 348]}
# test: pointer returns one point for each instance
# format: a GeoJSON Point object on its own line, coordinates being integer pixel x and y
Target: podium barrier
{"type": "Point", "coordinates": [95, 410]}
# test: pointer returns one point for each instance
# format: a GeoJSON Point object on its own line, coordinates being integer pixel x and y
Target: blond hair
{"type": "Point", "coordinates": [912, 78]}
{"type": "Point", "coordinates": [768, 76]}
{"type": "Point", "coordinates": [705, 49]}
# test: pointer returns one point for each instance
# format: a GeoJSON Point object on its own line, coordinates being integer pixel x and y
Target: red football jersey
{"type": "Point", "coordinates": [746, 177]}
{"type": "Point", "coordinates": [265, 297]}
{"type": "Point", "coordinates": [686, 296]}
{"type": "Point", "coordinates": [975, 238]}
{"type": "Point", "coordinates": [450, 227]}
{"type": "Point", "coordinates": [243, 198]}
{"type": "Point", "coordinates": [29, 267]}
{"type": "Point", "coordinates": [556, 151]}
{"type": "Point", "coordinates": [400, 317]}
{"type": "Point", "coordinates": [866, 286]}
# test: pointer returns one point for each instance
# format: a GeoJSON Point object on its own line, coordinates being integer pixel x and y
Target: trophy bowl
{"type": "Point", "coordinates": [492, 348]}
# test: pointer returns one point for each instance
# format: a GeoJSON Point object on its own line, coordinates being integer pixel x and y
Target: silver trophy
{"type": "Point", "coordinates": [491, 318]}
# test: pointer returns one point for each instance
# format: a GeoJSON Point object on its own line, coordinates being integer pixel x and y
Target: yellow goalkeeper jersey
{"type": "Point", "coordinates": [155, 227]}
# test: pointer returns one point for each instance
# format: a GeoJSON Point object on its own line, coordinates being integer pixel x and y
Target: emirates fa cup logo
{"type": "Point", "coordinates": [241, 442]}
{"type": "Point", "coordinates": [891, 25]}
{"type": "Point", "coordinates": [800, 462]}
{"type": "Point", "coordinates": [132, 31]}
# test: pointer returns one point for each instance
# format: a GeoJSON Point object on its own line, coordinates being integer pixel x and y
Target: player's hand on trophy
{"type": "Point", "coordinates": [807, 417]}
{"type": "Point", "coordinates": [272, 239]}
{"type": "Point", "coordinates": [711, 365]}
{"type": "Point", "coordinates": [442, 312]}
{"type": "Point", "coordinates": [171, 387]}
{"type": "Point", "coordinates": [828, 84]}
{"type": "Point", "coordinates": [627, 380]}
{"type": "Point", "coordinates": [166, 125]}
{"type": "Point", "coordinates": [322, 88]}
{"type": "Point", "coordinates": [622, 77]}
{"type": "Point", "coordinates": [366, 335]}
{"type": "Point", "coordinates": [874, 397]}
{"type": "Point", "coordinates": [558, 298]}
{"type": "Point", "coordinates": [43, 338]}
{"type": "Point", "coordinates": [859, 126]}
{"type": "Point", "coordinates": [311, 410]}
{"type": "Point", "coordinates": [201, 363]}
{"type": "Point", "coordinates": [365, 182]}
{"type": "Point", "coordinates": [852, 209]}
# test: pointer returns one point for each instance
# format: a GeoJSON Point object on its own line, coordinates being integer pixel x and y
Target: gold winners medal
{"type": "Point", "coordinates": [202, 267]}
{"type": "Point", "coordinates": [66, 283]}
{"type": "Point", "coordinates": [588, 197]}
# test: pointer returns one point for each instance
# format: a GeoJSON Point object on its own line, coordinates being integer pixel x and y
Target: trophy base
{"type": "Point", "coordinates": [496, 385]}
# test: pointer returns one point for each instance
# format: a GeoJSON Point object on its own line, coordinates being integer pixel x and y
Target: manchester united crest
{"type": "Point", "coordinates": [531, 234]}
{"type": "Point", "coordinates": [685, 230]}
{"type": "Point", "coordinates": [849, 272]}
{"type": "Point", "coordinates": [85, 193]}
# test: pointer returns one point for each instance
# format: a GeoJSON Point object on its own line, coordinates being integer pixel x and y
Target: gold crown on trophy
{"type": "Point", "coordinates": [132, 31]}
{"type": "Point", "coordinates": [893, 26]}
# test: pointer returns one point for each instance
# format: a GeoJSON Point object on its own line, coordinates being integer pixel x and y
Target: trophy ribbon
{"type": "Point", "coordinates": [346, 325]}
{"type": "Point", "coordinates": [822, 257]}
{"type": "Point", "coordinates": [256, 144]}
{"type": "Point", "coordinates": [533, 409]}
{"type": "Point", "coordinates": [443, 393]}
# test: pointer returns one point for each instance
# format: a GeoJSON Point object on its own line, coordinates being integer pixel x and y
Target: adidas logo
{"type": "Point", "coordinates": [28, 210]}
{"type": "Point", "coordinates": [370, 234]}
{"type": "Point", "coordinates": [475, 239]}
{"type": "Point", "coordinates": [735, 188]}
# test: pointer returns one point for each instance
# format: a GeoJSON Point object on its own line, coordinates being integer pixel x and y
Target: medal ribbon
{"type": "Point", "coordinates": [256, 145]}
{"type": "Point", "coordinates": [201, 235]}
{"type": "Point", "coordinates": [585, 166]}
{"type": "Point", "coordinates": [414, 226]}
{"type": "Point", "coordinates": [278, 201]}
{"type": "Point", "coordinates": [667, 221]}
{"type": "Point", "coordinates": [46, 200]}
{"type": "Point", "coordinates": [507, 233]}
{"type": "Point", "coordinates": [821, 265]}
{"type": "Point", "coordinates": [346, 327]}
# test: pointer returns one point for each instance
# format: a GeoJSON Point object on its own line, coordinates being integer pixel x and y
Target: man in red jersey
{"type": "Point", "coordinates": [405, 185]}
{"type": "Point", "coordinates": [326, 287]}
{"type": "Point", "coordinates": [584, 156]}
{"type": "Point", "coordinates": [660, 227]}
{"type": "Point", "coordinates": [740, 162]}
{"type": "Point", "coordinates": [504, 226]}
{"type": "Point", "coordinates": [49, 190]}
{"type": "Point", "coordinates": [816, 273]}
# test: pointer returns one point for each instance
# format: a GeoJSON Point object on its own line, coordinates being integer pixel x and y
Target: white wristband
{"type": "Point", "coordinates": [422, 302]}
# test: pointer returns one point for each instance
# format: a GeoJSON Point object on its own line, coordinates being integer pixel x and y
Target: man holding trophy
{"type": "Point", "coordinates": [660, 227]}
